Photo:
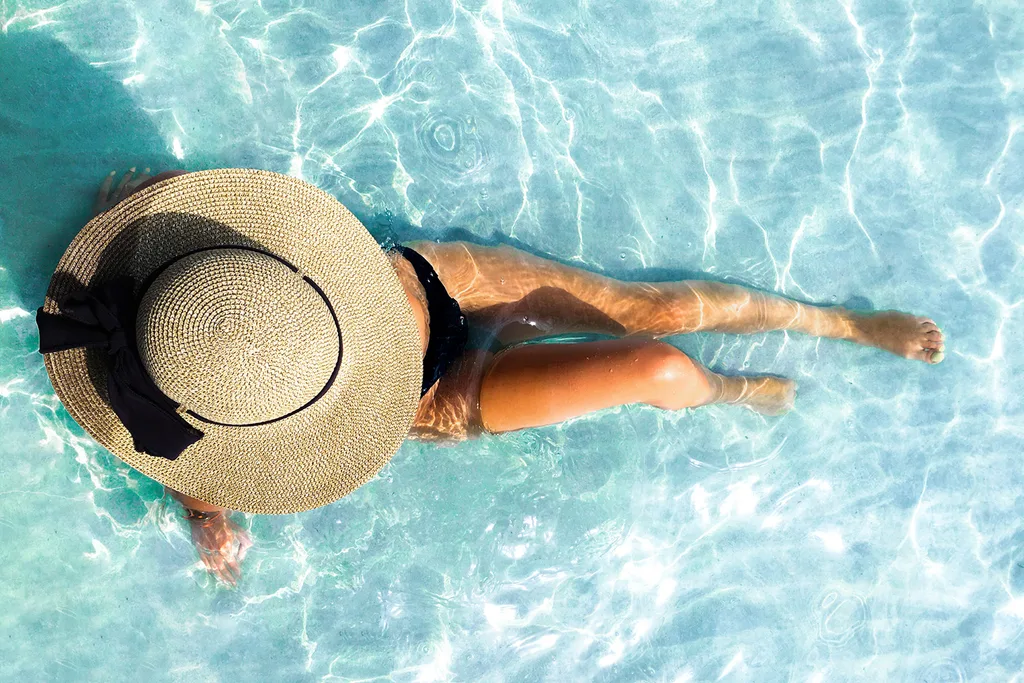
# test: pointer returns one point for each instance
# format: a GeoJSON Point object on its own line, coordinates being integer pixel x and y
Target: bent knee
{"type": "Point", "coordinates": [675, 381]}
{"type": "Point", "coordinates": [662, 363]}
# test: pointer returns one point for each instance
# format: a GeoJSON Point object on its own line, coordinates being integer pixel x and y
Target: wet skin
{"type": "Point", "coordinates": [512, 296]}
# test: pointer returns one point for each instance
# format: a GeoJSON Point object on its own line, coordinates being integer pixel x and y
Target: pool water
{"type": "Point", "coordinates": [840, 152]}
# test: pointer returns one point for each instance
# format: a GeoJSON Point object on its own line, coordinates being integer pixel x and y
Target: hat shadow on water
{"type": "Point", "coordinates": [64, 125]}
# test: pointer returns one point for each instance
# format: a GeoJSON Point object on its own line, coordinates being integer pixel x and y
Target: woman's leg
{"type": "Point", "coordinates": [528, 296]}
{"type": "Point", "coordinates": [541, 384]}
{"type": "Point", "coordinates": [450, 411]}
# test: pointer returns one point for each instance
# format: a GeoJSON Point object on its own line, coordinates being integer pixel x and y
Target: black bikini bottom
{"type": "Point", "coordinates": [448, 330]}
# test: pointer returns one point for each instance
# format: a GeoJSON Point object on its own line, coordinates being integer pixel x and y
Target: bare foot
{"type": "Point", "coordinates": [900, 333]}
{"type": "Point", "coordinates": [763, 394]}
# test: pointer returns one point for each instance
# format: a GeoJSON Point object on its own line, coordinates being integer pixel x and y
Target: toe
{"type": "Point", "coordinates": [921, 354]}
{"type": "Point", "coordinates": [935, 357]}
{"type": "Point", "coordinates": [933, 344]}
{"type": "Point", "coordinates": [934, 335]}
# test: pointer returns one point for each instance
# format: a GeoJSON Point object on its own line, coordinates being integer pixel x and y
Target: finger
{"type": "Point", "coordinates": [236, 571]}
{"type": "Point", "coordinates": [214, 564]}
{"type": "Point", "coordinates": [108, 182]}
{"type": "Point", "coordinates": [137, 180]}
{"type": "Point", "coordinates": [227, 575]}
{"type": "Point", "coordinates": [243, 537]}
{"type": "Point", "coordinates": [243, 549]}
{"type": "Point", "coordinates": [230, 551]}
{"type": "Point", "coordinates": [119, 193]}
{"type": "Point", "coordinates": [103, 196]}
{"type": "Point", "coordinates": [222, 576]}
{"type": "Point", "coordinates": [218, 568]}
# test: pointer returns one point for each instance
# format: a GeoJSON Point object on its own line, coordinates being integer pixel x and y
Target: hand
{"type": "Point", "coordinates": [222, 546]}
{"type": "Point", "coordinates": [130, 181]}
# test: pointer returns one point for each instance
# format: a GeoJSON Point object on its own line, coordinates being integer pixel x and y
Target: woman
{"type": "Point", "coordinates": [455, 291]}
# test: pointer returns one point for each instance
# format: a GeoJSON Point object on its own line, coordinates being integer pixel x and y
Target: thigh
{"type": "Point", "coordinates": [502, 288]}
{"type": "Point", "coordinates": [479, 277]}
{"type": "Point", "coordinates": [542, 384]}
{"type": "Point", "coordinates": [482, 276]}
{"type": "Point", "coordinates": [526, 296]}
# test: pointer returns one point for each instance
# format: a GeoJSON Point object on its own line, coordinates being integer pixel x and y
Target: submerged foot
{"type": "Point", "coordinates": [763, 394]}
{"type": "Point", "coordinates": [901, 333]}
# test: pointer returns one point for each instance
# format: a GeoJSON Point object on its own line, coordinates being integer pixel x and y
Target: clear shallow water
{"type": "Point", "coordinates": [867, 152]}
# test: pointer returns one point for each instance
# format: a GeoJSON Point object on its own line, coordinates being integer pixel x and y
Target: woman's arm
{"type": "Point", "coordinates": [221, 543]}
{"type": "Point", "coordinates": [190, 503]}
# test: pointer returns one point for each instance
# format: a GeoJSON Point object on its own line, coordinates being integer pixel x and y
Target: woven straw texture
{"type": "Point", "coordinates": [240, 321]}
{"type": "Point", "coordinates": [238, 337]}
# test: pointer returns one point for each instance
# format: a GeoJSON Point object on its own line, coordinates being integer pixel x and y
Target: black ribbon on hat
{"type": "Point", "coordinates": [104, 317]}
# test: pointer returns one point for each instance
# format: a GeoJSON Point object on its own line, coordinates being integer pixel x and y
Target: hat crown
{"type": "Point", "coordinates": [237, 336]}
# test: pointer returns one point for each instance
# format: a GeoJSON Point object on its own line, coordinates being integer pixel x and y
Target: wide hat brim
{"type": "Point", "coordinates": [324, 451]}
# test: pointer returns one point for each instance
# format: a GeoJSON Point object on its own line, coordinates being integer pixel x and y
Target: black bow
{"type": "Point", "coordinates": [105, 317]}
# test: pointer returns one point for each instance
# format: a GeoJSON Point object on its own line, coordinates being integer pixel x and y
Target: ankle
{"type": "Point", "coordinates": [853, 327]}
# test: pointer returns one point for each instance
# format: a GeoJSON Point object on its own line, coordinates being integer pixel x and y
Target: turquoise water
{"type": "Point", "coordinates": [850, 151]}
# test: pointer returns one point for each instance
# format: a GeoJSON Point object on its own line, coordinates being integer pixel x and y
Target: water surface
{"type": "Point", "coordinates": [865, 152]}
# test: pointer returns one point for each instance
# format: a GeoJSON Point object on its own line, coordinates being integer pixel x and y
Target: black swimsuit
{"type": "Point", "coordinates": [448, 330]}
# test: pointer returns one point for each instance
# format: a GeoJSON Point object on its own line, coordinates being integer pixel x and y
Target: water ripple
{"type": "Point", "coordinates": [452, 145]}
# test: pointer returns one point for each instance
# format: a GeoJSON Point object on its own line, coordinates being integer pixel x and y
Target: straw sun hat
{"type": "Point", "coordinates": [238, 336]}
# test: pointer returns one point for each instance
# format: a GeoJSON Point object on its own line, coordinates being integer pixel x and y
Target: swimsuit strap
{"type": "Point", "coordinates": [448, 330]}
